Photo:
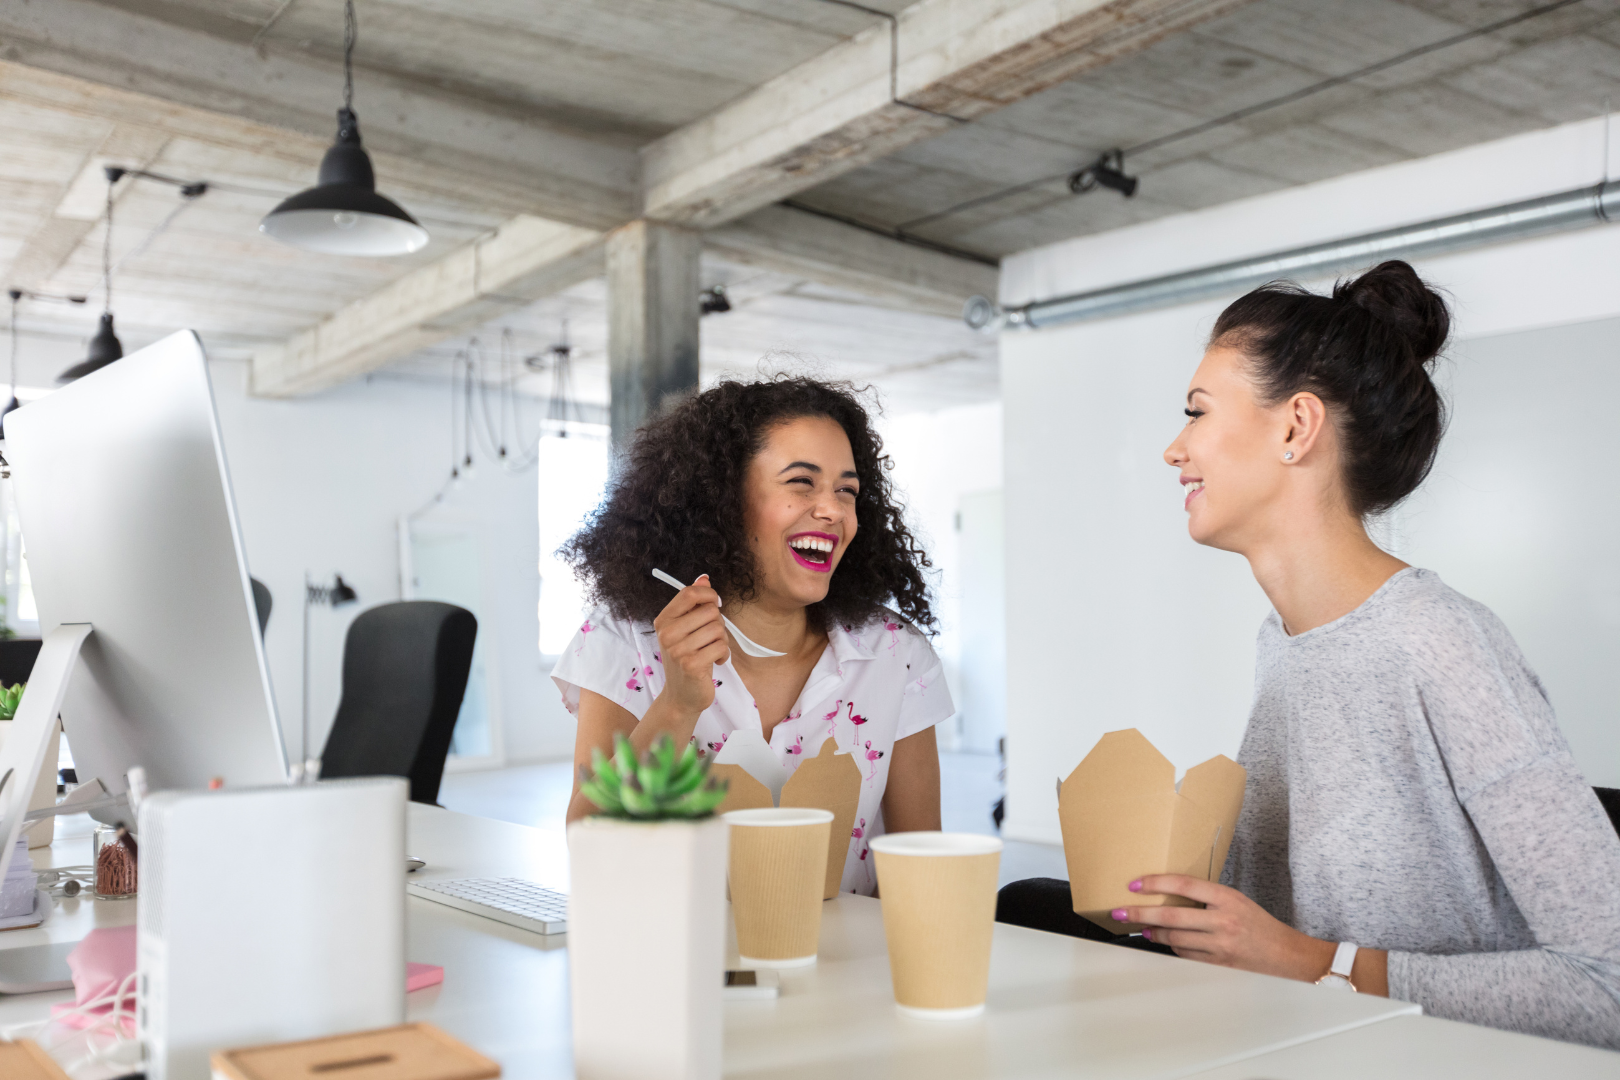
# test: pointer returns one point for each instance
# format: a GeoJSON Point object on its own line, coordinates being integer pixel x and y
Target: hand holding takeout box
{"type": "Point", "coordinates": [1123, 817]}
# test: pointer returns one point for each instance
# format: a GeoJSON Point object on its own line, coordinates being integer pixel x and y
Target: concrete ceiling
{"type": "Point", "coordinates": [479, 110]}
{"type": "Point", "coordinates": [1548, 69]}
{"type": "Point", "coordinates": [631, 68]}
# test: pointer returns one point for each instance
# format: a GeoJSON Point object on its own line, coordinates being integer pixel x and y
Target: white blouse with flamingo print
{"type": "Point", "coordinates": [874, 685]}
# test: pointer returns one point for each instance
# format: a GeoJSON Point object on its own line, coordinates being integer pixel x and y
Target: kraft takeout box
{"type": "Point", "coordinates": [829, 781]}
{"type": "Point", "coordinates": [1124, 815]}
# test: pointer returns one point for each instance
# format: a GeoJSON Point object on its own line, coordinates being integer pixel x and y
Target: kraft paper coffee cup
{"type": "Point", "coordinates": [778, 865]}
{"type": "Point", "coordinates": [939, 911]}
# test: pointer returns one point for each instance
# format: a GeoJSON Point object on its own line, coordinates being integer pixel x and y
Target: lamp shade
{"type": "Point", "coordinates": [104, 349]}
{"type": "Point", "coordinates": [342, 592]}
{"type": "Point", "coordinates": [343, 214]}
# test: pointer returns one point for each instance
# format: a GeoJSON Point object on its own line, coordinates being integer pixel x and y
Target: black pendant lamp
{"type": "Point", "coordinates": [343, 214]}
{"type": "Point", "coordinates": [104, 346]}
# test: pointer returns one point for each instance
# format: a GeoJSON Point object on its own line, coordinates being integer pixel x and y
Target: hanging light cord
{"type": "Point", "coordinates": [190, 192]}
{"type": "Point", "coordinates": [350, 32]}
{"type": "Point", "coordinates": [12, 356]}
{"type": "Point", "coordinates": [106, 255]}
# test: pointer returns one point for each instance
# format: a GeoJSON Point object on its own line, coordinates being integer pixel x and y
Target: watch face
{"type": "Point", "coordinates": [1337, 982]}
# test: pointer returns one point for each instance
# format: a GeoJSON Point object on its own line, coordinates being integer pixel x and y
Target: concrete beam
{"type": "Point", "coordinates": [953, 60]}
{"type": "Point", "coordinates": [554, 172]}
{"type": "Point", "coordinates": [524, 259]}
{"type": "Point", "coordinates": [653, 278]}
{"type": "Point", "coordinates": [799, 244]}
{"type": "Point", "coordinates": [54, 241]}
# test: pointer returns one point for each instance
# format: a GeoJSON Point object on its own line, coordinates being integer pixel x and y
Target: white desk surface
{"type": "Point", "coordinates": [1422, 1048]}
{"type": "Point", "coordinates": [1057, 1005]}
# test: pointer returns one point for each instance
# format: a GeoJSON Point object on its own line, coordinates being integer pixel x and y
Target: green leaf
{"type": "Point", "coordinates": [664, 784]}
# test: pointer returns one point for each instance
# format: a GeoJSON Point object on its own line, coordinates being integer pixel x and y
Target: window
{"type": "Point", "coordinates": [573, 475]}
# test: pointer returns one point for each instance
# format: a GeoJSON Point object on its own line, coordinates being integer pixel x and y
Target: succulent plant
{"type": "Point", "coordinates": [10, 698]}
{"type": "Point", "coordinates": [661, 786]}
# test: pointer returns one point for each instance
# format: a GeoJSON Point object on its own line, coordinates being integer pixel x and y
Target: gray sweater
{"type": "Point", "coordinates": [1409, 790]}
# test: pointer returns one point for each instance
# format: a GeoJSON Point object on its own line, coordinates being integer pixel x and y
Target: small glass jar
{"type": "Point", "coordinates": [115, 862]}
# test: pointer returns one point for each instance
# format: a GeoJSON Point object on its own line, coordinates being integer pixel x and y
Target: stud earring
{"type": "Point", "coordinates": [1289, 456]}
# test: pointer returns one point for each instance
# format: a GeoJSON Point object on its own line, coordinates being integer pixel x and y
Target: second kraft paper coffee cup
{"type": "Point", "coordinates": [939, 912]}
{"type": "Point", "coordinates": [778, 864]}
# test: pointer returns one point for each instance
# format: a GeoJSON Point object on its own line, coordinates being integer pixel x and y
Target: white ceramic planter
{"type": "Point", "coordinates": [646, 947]}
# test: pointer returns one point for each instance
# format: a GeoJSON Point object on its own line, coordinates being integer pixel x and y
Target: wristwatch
{"type": "Point", "coordinates": [1338, 976]}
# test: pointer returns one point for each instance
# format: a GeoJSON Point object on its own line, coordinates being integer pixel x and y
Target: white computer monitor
{"type": "Point", "coordinates": [129, 525]}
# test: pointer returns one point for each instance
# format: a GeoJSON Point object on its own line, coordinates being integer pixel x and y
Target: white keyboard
{"type": "Point", "coordinates": [513, 901]}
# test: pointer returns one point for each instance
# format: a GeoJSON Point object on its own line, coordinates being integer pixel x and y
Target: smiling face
{"type": "Point", "coordinates": [1230, 454]}
{"type": "Point", "coordinates": [800, 492]}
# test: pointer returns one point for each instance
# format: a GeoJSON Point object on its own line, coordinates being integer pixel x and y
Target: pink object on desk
{"type": "Point", "coordinates": [100, 964]}
{"type": "Point", "coordinates": [422, 976]}
{"type": "Point", "coordinates": [106, 957]}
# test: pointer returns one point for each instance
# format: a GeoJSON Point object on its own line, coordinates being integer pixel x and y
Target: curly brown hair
{"type": "Point", "coordinates": [676, 502]}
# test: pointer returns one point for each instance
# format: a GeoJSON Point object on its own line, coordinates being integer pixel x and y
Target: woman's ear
{"type": "Point", "coordinates": [1307, 418]}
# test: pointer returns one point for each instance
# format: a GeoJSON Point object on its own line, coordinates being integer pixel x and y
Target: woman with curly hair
{"type": "Point", "coordinates": [773, 498]}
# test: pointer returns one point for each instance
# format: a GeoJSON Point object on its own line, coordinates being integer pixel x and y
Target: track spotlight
{"type": "Point", "coordinates": [713, 301]}
{"type": "Point", "coordinates": [1108, 171]}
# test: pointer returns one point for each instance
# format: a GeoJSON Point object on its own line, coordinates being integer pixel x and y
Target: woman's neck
{"type": "Point", "coordinates": [784, 628]}
{"type": "Point", "coordinates": [1319, 571]}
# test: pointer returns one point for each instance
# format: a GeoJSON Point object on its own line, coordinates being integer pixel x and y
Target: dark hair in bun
{"type": "Point", "coordinates": [1365, 351]}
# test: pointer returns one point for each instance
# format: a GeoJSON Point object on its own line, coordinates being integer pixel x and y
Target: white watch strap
{"type": "Point", "coordinates": [1344, 959]}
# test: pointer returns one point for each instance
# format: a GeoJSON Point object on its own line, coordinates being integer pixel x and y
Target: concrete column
{"type": "Point", "coordinates": [653, 284]}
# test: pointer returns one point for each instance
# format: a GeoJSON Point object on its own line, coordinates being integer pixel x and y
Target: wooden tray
{"type": "Point", "coordinates": [408, 1052]}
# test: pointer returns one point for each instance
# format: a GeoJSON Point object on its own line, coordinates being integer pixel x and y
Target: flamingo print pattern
{"type": "Point", "coordinates": [831, 717]}
{"type": "Point", "coordinates": [872, 687]}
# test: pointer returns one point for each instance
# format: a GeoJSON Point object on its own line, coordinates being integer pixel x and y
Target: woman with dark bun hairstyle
{"type": "Point", "coordinates": [1409, 791]}
{"type": "Point", "coordinates": [773, 500]}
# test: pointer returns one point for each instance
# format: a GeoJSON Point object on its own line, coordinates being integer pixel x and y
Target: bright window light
{"type": "Point", "coordinates": [573, 475]}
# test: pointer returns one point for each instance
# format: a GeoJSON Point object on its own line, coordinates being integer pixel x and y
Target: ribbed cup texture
{"type": "Point", "coordinates": [776, 882]}
{"type": "Point", "coordinates": [939, 913]}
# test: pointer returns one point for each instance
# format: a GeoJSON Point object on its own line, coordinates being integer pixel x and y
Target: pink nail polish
{"type": "Point", "coordinates": [1148, 934]}
{"type": "Point", "coordinates": [1136, 886]}
{"type": "Point", "coordinates": [1119, 914]}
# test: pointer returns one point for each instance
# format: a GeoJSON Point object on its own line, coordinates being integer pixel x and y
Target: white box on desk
{"type": "Point", "coordinates": [268, 915]}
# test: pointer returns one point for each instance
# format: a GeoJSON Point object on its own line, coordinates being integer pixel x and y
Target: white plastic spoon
{"type": "Point", "coordinates": [743, 641]}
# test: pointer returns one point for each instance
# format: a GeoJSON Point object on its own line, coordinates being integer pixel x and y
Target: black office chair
{"type": "Point", "coordinates": [405, 670]}
{"type": "Point", "coordinates": [1610, 798]}
{"type": "Point", "coordinates": [262, 603]}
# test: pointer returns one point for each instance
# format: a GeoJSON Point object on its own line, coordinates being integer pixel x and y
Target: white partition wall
{"type": "Point", "coordinates": [1116, 619]}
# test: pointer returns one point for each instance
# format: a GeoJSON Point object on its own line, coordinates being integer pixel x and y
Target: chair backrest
{"type": "Point", "coordinates": [1610, 798]}
{"type": "Point", "coordinates": [262, 603]}
{"type": "Point", "coordinates": [405, 670]}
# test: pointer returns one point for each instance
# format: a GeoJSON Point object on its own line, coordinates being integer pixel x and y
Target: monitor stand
{"type": "Point", "coordinates": [20, 760]}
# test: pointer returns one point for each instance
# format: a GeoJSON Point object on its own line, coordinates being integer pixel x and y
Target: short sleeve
{"type": "Point", "coordinates": [606, 658]}
{"type": "Point", "coordinates": [926, 700]}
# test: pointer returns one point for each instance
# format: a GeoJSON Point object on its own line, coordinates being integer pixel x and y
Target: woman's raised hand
{"type": "Point", "coordinates": [691, 640]}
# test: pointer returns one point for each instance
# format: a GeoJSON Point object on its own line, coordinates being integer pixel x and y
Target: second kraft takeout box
{"type": "Point", "coordinates": [1124, 815]}
{"type": "Point", "coordinates": [829, 781]}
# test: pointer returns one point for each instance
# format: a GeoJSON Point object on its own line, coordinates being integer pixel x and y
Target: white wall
{"type": "Point", "coordinates": [1116, 619]}
{"type": "Point", "coordinates": [939, 457]}
{"type": "Point", "coordinates": [1517, 515]}
{"type": "Point", "coordinates": [320, 485]}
